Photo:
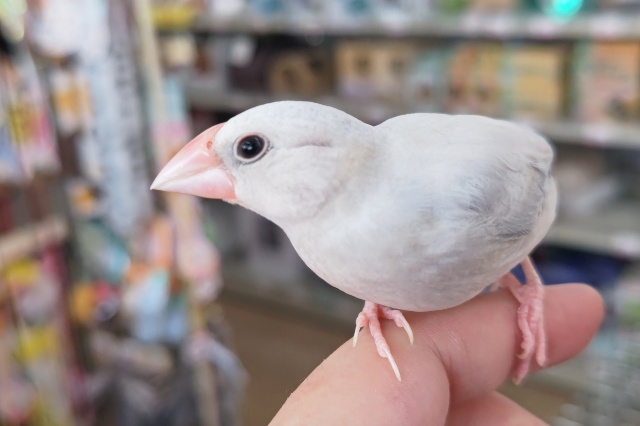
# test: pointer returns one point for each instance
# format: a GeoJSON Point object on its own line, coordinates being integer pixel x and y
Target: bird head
{"type": "Point", "coordinates": [283, 160]}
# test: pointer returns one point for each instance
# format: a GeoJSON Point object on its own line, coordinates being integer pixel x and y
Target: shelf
{"type": "Point", "coordinates": [614, 231]}
{"type": "Point", "coordinates": [596, 135]}
{"type": "Point", "coordinates": [491, 26]}
{"type": "Point", "coordinates": [24, 241]}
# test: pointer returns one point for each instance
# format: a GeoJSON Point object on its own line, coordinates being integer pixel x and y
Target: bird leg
{"type": "Point", "coordinates": [370, 316]}
{"type": "Point", "coordinates": [530, 317]}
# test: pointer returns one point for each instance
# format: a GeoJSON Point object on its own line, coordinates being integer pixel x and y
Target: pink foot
{"type": "Point", "coordinates": [370, 317]}
{"type": "Point", "coordinates": [530, 317]}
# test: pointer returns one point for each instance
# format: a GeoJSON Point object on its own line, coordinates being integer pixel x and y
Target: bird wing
{"type": "Point", "coordinates": [494, 173]}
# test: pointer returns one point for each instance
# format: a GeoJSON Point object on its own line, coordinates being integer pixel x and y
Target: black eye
{"type": "Point", "coordinates": [250, 148]}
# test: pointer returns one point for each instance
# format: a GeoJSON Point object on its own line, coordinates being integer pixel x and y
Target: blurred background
{"type": "Point", "coordinates": [119, 306]}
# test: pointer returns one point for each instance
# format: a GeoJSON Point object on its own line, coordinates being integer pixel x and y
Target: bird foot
{"type": "Point", "coordinates": [530, 317]}
{"type": "Point", "coordinates": [370, 316]}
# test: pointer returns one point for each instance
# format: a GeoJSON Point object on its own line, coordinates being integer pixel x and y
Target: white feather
{"type": "Point", "coordinates": [419, 213]}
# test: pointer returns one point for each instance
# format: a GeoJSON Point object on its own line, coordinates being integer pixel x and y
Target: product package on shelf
{"type": "Point", "coordinates": [535, 82]}
{"type": "Point", "coordinates": [10, 169]}
{"type": "Point", "coordinates": [71, 99]}
{"type": "Point", "coordinates": [425, 82]}
{"type": "Point", "coordinates": [474, 78]}
{"type": "Point", "coordinates": [178, 14]}
{"type": "Point", "coordinates": [178, 51]}
{"type": "Point", "coordinates": [486, 80]}
{"type": "Point", "coordinates": [606, 79]}
{"type": "Point", "coordinates": [41, 346]}
{"type": "Point", "coordinates": [369, 70]}
{"type": "Point", "coordinates": [461, 64]}
{"type": "Point", "coordinates": [27, 114]}
{"type": "Point", "coordinates": [301, 73]}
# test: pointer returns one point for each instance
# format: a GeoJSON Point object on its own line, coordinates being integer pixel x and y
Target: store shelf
{"type": "Point", "coordinates": [598, 135]}
{"type": "Point", "coordinates": [24, 241]}
{"type": "Point", "coordinates": [493, 26]}
{"type": "Point", "coordinates": [614, 231]}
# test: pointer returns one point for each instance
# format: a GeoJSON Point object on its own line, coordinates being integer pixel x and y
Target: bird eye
{"type": "Point", "coordinates": [250, 148]}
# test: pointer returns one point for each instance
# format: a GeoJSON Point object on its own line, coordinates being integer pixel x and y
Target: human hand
{"type": "Point", "coordinates": [451, 373]}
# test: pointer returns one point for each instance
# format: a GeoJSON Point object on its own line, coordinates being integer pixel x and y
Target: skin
{"type": "Point", "coordinates": [451, 373]}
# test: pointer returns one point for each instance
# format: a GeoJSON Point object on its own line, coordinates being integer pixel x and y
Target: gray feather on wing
{"type": "Point", "coordinates": [512, 210]}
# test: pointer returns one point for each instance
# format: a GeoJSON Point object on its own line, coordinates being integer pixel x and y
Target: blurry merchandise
{"type": "Point", "coordinates": [178, 51]}
{"type": "Point", "coordinates": [459, 90]}
{"type": "Point", "coordinates": [248, 59]}
{"type": "Point", "coordinates": [226, 9]}
{"type": "Point", "coordinates": [177, 14]}
{"type": "Point", "coordinates": [486, 92]}
{"type": "Point", "coordinates": [71, 100]}
{"type": "Point", "coordinates": [585, 181]}
{"type": "Point", "coordinates": [10, 168]}
{"type": "Point", "coordinates": [534, 82]}
{"type": "Point", "coordinates": [266, 10]}
{"type": "Point", "coordinates": [354, 69]}
{"type": "Point", "coordinates": [607, 81]}
{"type": "Point", "coordinates": [54, 29]}
{"type": "Point", "coordinates": [492, 6]}
{"type": "Point", "coordinates": [93, 303]}
{"type": "Point", "coordinates": [101, 251]}
{"type": "Point", "coordinates": [12, 14]}
{"type": "Point", "coordinates": [211, 62]}
{"type": "Point", "coordinates": [119, 124]}
{"type": "Point", "coordinates": [231, 376]}
{"type": "Point", "coordinates": [28, 117]}
{"type": "Point", "coordinates": [425, 86]}
{"type": "Point", "coordinates": [367, 70]}
{"type": "Point", "coordinates": [18, 394]}
{"type": "Point", "coordinates": [40, 342]}
{"type": "Point", "coordinates": [301, 73]}
{"type": "Point", "coordinates": [173, 130]}
{"type": "Point", "coordinates": [143, 359]}
{"type": "Point", "coordinates": [196, 262]}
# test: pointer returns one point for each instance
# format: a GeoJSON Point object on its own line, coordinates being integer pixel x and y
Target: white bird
{"type": "Point", "coordinates": [419, 213]}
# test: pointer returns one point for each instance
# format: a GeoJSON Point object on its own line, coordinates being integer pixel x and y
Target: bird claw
{"type": "Point", "coordinates": [355, 335]}
{"type": "Point", "coordinates": [385, 352]}
{"type": "Point", "coordinates": [399, 319]}
{"type": "Point", "coordinates": [370, 317]}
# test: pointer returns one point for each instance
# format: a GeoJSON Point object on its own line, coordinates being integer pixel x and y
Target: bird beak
{"type": "Point", "coordinates": [197, 170]}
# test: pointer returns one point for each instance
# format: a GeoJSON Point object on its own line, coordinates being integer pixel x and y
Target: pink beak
{"type": "Point", "coordinates": [197, 170]}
